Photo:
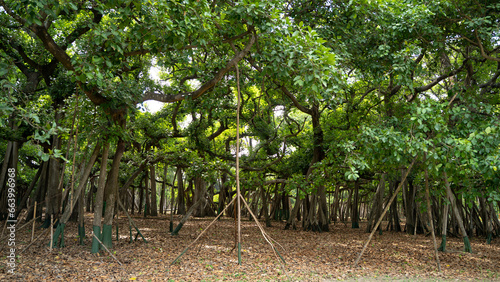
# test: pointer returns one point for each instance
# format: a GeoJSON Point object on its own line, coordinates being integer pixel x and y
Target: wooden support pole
{"type": "Point", "coordinates": [238, 193]}
{"type": "Point", "coordinates": [385, 211]}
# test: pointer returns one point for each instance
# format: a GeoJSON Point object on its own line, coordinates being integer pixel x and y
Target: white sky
{"type": "Point", "coordinates": [153, 106]}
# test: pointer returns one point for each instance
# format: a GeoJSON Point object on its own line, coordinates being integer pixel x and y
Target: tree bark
{"type": "Point", "coordinates": [112, 192]}
{"type": "Point", "coordinates": [378, 201]}
{"type": "Point", "coordinates": [76, 194]}
{"type": "Point", "coordinates": [163, 188]}
{"type": "Point", "coordinates": [429, 212]}
{"type": "Point", "coordinates": [181, 204]}
{"type": "Point", "coordinates": [54, 195]}
{"type": "Point", "coordinates": [154, 203]}
{"type": "Point", "coordinates": [354, 206]}
{"type": "Point", "coordinates": [451, 197]}
{"type": "Point", "coordinates": [99, 199]}
{"type": "Point", "coordinates": [147, 201]}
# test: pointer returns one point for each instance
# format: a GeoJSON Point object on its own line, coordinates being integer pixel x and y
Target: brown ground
{"type": "Point", "coordinates": [309, 256]}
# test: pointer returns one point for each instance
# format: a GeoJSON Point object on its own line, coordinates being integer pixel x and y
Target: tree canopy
{"type": "Point", "coordinates": [336, 96]}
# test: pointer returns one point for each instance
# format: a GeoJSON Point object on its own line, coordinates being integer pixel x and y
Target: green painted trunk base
{"type": "Point", "coordinates": [239, 253]}
{"type": "Point", "coordinates": [442, 248]}
{"type": "Point", "coordinates": [130, 229]}
{"type": "Point", "coordinates": [95, 244]}
{"type": "Point", "coordinates": [488, 240]}
{"type": "Point", "coordinates": [355, 224]}
{"type": "Point", "coordinates": [107, 239]}
{"type": "Point", "coordinates": [177, 229]}
{"type": "Point", "coordinates": [117, 236]}
{"type": "Point", "coordinates": [467, 247]}
{"type": "Point", "coordinates": [59, 232]}
{"type": "Point", "coordinates": [81, 234]}
{"type": "Point", "coordinates": [171, 227]}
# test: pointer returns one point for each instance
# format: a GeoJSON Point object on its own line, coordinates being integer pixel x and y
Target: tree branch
{"type": "Point", "coordinates": [206, 86]}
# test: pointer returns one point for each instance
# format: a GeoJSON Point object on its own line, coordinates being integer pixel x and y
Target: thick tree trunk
{"type": "Point", "coordinates": [99, 199]}
{"type": "Point", "coordinates": [336, 205]}
{"type": "Point", "coordinates": [76, 194]}
{"type": "Point", "coordinates": [38, 193]}
{"type": "Point", "coordinates": [10, 162]}
{"type": "Point", "coordinates": [378, 201]}
{"type": "Point", "coordinates": [222, 193]}
{"type": "Point", "coordinates": [90, 195]}
{"type": "Point", "coordinates": [54, 194]}
{"type": "Point", "coordinates": [141, 196]}
{"type": "Point", "coordinates": [395, 226]}
{"type": "Point", "coordinates": [163, 188]}
{"type": "Point", "coordinates": [147, 201]}
{"type": "Point", "coordinates": [265, 206]}
{"type": "Point", "coordinates": [451, 197]}
{"type": "Point", "coordinates": [293, 216]}
{"type": "Point", "coordinates": [355, 207]}
{"type": "Point", "coordinates": [23, 203]}
{"type": "Point", "coordinates": [413, 225]}
{"type": "Point", "coordinates": [172, 204]}
{"type": "Point", "coordinates": [495, 220]}
{"type": "Point", "coordinates": [285, 203]}
{"type": "Point", "coordinates": [444, 228]}
{"type": "Point", "coordinates": [485, 219]}
{"type": "Point", "coordinates": [132, 196]}
{"type": "Point", "coordinates": [81, 218]}
{"type": "Point", "coordinates": [319, 220]}
{"type": "Point", "coordinates": [154, 204]}
{"type": "Point", "coordinates": [199, 195]}
{"type": "Point", "coordinates": [429, 212]}
{"type": "Point", "coordinates": [181, 204]}
{"type": "Point", "coordinates": [111, 189]}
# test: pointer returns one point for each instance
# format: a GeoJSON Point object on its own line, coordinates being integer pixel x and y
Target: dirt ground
{"type": "Point", "coordinates": [309, 256]}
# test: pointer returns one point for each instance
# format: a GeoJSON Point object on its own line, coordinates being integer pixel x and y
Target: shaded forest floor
{"type": "Point", "coordinates": [309, 256]}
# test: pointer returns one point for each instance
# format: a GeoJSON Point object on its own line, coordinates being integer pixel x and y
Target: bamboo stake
{"type": "Point", "coordinates": [17, 229]}
{"type": "Point", "coordinates": [33, 228]}
{"type": "Point", "coordinates": [385, 211]}
{"type": "Point", "coordinates": [35, 241]}
{"type": "Point", "coordinates": [238, 192]}
{"type": "Point", "coordinates": [131, 221]}
{"type": "Point", "coordinates": [429, 213]}
{"type": "Point", "coordinates": [199, 236]}
{"type": "Point", "coordinates": [121, 265]}
{"type": "Point", "coordinates": [93, 234]}
{"type": "Point", "coordinates": [268, 239]}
